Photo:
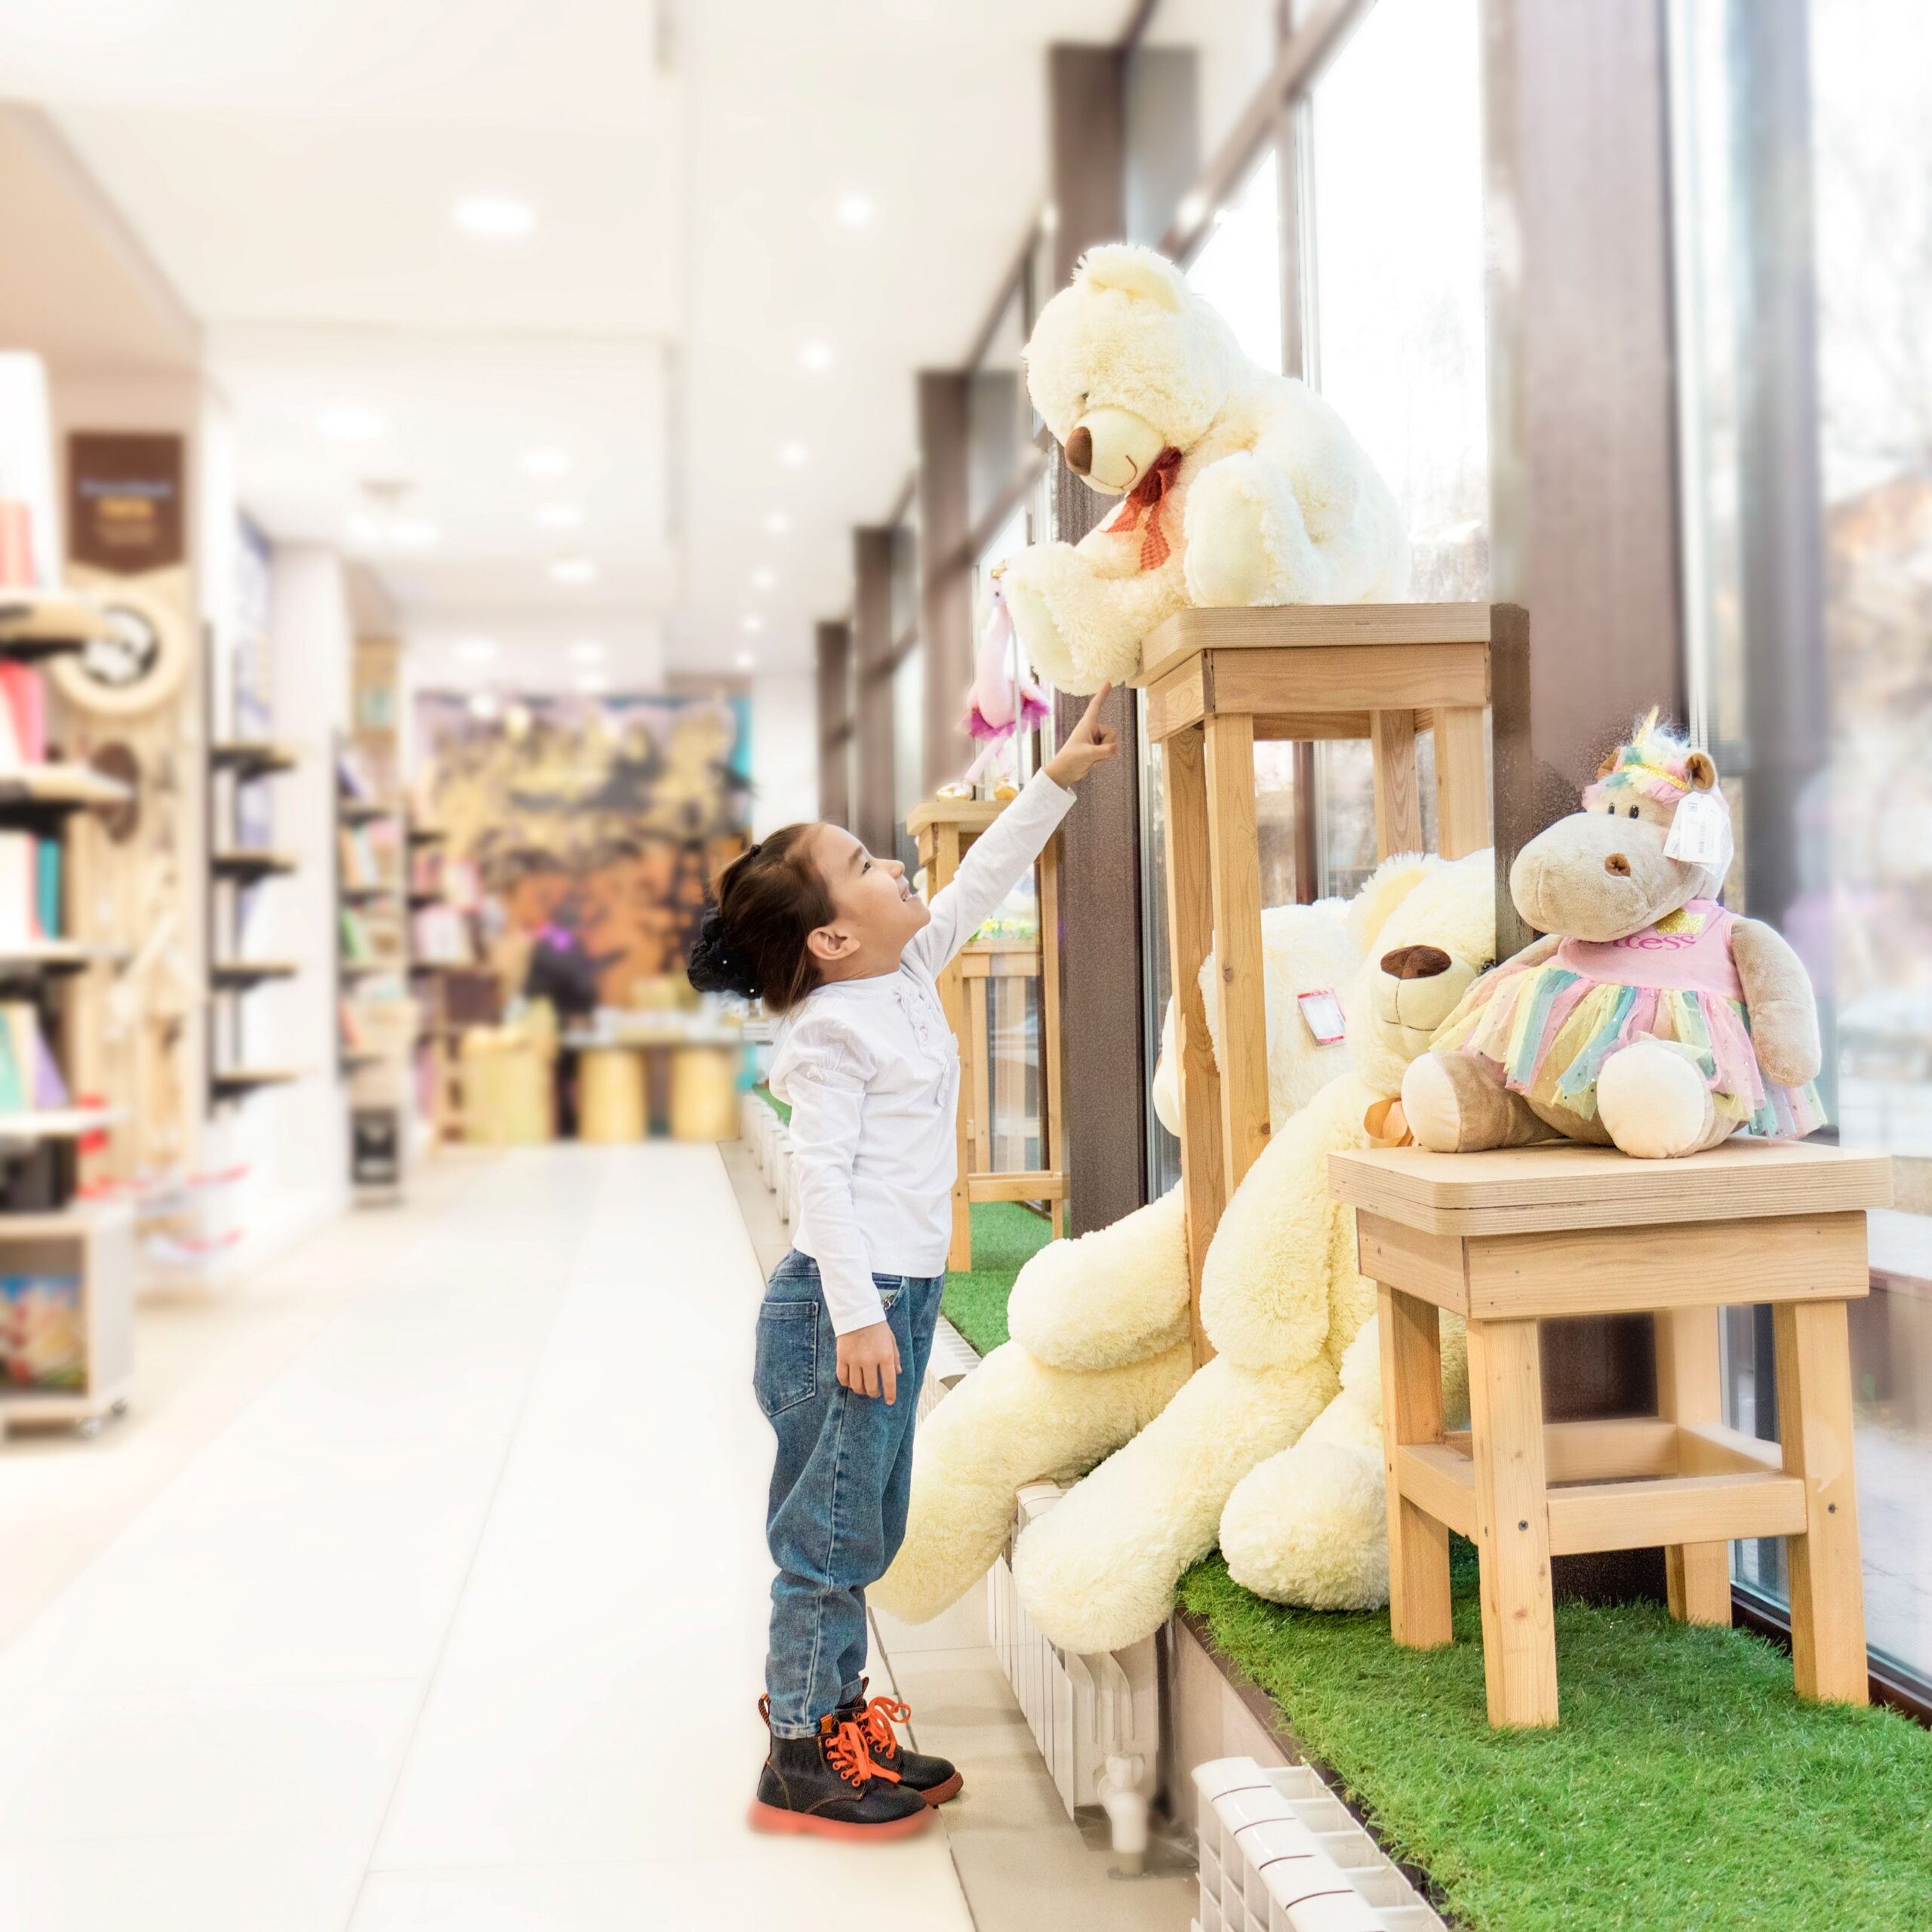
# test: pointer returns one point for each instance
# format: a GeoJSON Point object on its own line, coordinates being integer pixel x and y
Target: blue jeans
{"type": "Point", "coordinates": [840, 1486]}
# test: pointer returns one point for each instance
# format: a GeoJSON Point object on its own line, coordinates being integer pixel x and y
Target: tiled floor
{"type": "Point", "coordinates": [457, 1623]}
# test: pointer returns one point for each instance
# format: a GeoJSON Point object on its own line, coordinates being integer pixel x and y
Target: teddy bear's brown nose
{"type": "Point", "coordinates": [1415, 962]}
{"type": "Point", "coordinates": [1080, 450]}
{"type": "Point", "coordinates": [1617, 866]}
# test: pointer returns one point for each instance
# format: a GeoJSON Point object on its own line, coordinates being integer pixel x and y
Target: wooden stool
{"type": "Point", "coordinates": [611, 1103]}
{"type": "Point", "coordinates": [1218, 681]}
{"type": "Point", "coordinates": [1504, 1239]}
{"type": "Point", "coordinates": [943, 829]}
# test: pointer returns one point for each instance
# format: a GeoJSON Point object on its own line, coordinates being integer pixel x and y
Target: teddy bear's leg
{"type": "Point", "coordinates": [1653, 1103]}
{"type": "Point", "coordinates": [1309, 1526]}
{"type": "Point", "coordinates": [1081, 629]}
{"type": "Point", "coordinates": [1457, 1103]}
{"type": "Point", "coordinates": [1118, 1295]}
{"type": "Point", "coordinates": [1097, 1571]}
{"type": "Point", "coordinates": [1013, 1421]}
{"type": "Point", "coordinates": [1248, 542]}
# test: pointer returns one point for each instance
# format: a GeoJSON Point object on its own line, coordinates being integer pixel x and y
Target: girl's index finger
{"type": "Point", "coordinates": [1091, 720]}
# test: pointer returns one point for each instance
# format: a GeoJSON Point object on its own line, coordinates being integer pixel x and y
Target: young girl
{"type": "Point", "coordinates": [838, 941]}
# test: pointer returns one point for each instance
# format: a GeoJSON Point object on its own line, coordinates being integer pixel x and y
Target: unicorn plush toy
{"type": "Point", "coordinates": [1648, 1017]}
{"type": "Point", "coordinates": [1002, 699]}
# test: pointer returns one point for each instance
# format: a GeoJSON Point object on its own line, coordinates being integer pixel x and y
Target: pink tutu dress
{"type": "Point", "coordinates": [1550, 1027]}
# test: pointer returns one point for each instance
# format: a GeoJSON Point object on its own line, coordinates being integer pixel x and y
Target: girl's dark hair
{"type": "Point", "coordinates": [753, 941]}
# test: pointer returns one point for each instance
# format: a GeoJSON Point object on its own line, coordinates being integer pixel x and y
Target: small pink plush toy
{"type": "Point", "coordinates": [1002, 699]}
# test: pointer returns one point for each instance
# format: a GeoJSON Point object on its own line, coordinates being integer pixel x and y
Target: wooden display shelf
{"type": "Point", "coordinates": [97, 1242]}
{"type": "Point", "coordinates": [55, 955]}
{"type": "Point", "coordinates": [245, 864]}
{"type": "Point", "coordinates": [365, 811]}
{"type": "Point", "coordinates": [236, 1083]}
{"type": "Point", "coordinates": [252, 758]}
{"type": "Point", "coordinates": [50, 624]}
{"type": "Point", "coordinates": [239, 976]}
{"type": "Point", "coordinates": [33, 791]}
{"type": "Point", "coordinates": [362, 895]}
{"type": "Point", "coordinates": [54, 1124]}
{"type": "Point", "coordinates": [363, 969]}
{"type": "Point", "coordinates": [427, 834]}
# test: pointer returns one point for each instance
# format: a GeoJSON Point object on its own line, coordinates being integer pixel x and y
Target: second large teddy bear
{"type": "Point", "coordinates": [1100, 1329]}
{"type": "Point", "coordinates": [1240, 487]}
{"type": "Point", "coordinates": [1648, 1017]}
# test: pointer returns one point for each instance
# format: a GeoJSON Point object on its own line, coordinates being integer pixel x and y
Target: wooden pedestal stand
{"type": "Point", "coordinates": [1505, 1239]}
{"type": "Point", "coordinates": [1217, 680]}
{"type": "Point", "coordinates": [944, 829]}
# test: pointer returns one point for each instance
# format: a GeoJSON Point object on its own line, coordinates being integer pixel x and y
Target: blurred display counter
{"type": "Point", "coordinates": [687, 1063]}
{"type": "Point", "coordinates": [508, 1092]}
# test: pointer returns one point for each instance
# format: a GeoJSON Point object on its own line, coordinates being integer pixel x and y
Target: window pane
{"type": "Point", "coordinates": [1399, 246]}
{"type": "Point", "coordinates": [1809, 609]}
{"type": "Point", "coordinates": [1238, 269]}
{"type": "Point", "coordinates": [908, 745]}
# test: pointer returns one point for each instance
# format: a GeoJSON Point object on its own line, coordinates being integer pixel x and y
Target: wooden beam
{"type": "Point", "coordinates": [945, 587]}
{"type": "Point", "coordinates": [834, 723]}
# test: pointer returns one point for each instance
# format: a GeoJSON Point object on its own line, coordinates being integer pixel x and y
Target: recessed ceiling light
{"type": "Point", "coordinates": [413, 532]}
{"type": "Point", "coordinates": [793, 456]}
{"type": "Point", "coordinates": [572, 570]}
{"type": "Point", "coordinates": [588, 651]}
{"type": "Point", "coordinates": [777, 523]}
{"type": "Point", "coordinates": [815, 356]}
{"type": "Point", "coordinates": [593, 681]}
{"type": "Point", "coordinates": [496, 217]}
{"type": "Point", "coordinates": [560, 516]}
{"type": "Point", "coordinates": [350, 425]}
{"type": "Point", "coordinates": [764, 580]}
{"type": "Point", "coordinates": [483, 705]}
{"type": "Point", "coordinates": [476, 650]}
{"type": "Point", "coordinates": [747, 660]}
{"type": "Point", "coordinates": [751, 624]}
{"type": "Point", "coordinates": [546, 463]}
{"type": "Point", "coordinates": [855, 210]}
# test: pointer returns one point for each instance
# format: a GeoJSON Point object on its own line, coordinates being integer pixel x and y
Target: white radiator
{"type": "Point", "coordinates": [1280, 1853]}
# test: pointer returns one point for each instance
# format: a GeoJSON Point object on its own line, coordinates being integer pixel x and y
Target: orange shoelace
{"type": "Point", "coordinates": [879, 1717]}
{"type": "Point", "coordinates": [848, 1751]}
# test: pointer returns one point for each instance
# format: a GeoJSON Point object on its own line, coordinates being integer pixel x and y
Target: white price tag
{"type": "Point", "coordinates": [1323, 1012]}
{"type": "Point", "coordinates": [1699, 831]}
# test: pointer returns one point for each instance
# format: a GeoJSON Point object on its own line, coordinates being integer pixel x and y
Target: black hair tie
{"type": "Point", "coordinates": [715, 964]}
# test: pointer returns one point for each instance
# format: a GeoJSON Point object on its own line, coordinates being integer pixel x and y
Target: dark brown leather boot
{"type": "Point", "coordinates": [934, 1779]}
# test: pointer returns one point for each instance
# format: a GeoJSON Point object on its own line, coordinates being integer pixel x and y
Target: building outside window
{"type": "Point", "coordinates": [1804, 203]}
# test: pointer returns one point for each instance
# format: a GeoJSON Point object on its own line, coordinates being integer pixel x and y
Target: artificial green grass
{"type": "Point", "coordinates": [1005, 1237]}
{"type": "Point", "coordinates": [1686, 1787]}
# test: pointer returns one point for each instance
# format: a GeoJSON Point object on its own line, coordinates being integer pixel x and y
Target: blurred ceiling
{"type": "Point", "coordinates": [753, 223]}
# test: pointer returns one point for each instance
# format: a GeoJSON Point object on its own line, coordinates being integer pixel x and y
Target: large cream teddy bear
{"type": "Point", "coordinates": [1100, 1328]}
{"type": "Point", "coordinates": [1241, 487]}
{"type": "Point", "coordinates": [1648, 1017]}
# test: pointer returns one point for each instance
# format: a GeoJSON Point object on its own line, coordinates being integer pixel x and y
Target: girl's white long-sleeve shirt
{"type": "Point", "coordinates": [871, 1072]}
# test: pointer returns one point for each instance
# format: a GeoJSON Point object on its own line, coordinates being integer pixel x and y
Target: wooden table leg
{"type": "Point", "coordinates": [1512, 1522]}
{"type": "Point", "coordinates": [1815, 1425]}
{"type": "Point", "coordinates": [1234, 862]}
{"type": "Point", "coordinates": [1190, 937]}
{"type": "Point", "coordinates": [1690, 1390]}
{"type": "Point", "coordinates": [1411, 1337]}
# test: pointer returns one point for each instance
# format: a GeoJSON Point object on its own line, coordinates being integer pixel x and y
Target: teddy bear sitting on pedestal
{"type": "Point", "coordinates": [1240, 487]}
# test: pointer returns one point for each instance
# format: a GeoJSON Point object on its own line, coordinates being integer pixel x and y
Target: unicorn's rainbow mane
{"type": "Point", "coordinates": [1653, 762]}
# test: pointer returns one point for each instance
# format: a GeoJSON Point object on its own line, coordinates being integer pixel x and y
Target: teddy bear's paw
{"type": "Point", "coordinates": [1246, 541]}
{"type": "Point", "coordinates": [1653, 1103]}
{"type": "Point", "coordinates": [1309, 1527]}
{"type": "Point", "coordinates": [1117, 1295]}
{"type": "Point", "coordinates": [1032, 580]}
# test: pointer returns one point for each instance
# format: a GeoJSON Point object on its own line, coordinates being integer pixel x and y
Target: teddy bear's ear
{"type": "Point", "coordinates": [1134, 271]}
{"type": "Point", "coordinates": [1700, 773]}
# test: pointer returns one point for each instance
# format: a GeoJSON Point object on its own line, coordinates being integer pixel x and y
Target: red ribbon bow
{"type": "Point", "coordinates": [1142, 510]}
